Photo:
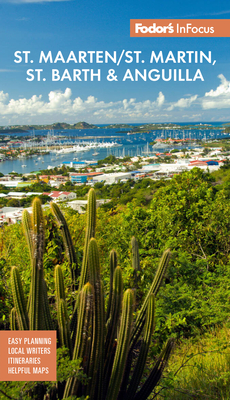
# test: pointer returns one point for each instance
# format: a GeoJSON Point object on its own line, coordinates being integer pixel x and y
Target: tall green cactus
{"type": "Point", "coordinates": [64, 328]}
{"type": "Point", "coordinates": [19, 300]}
{"type": "Point", "coordinates": [135, 258]}
{"type": "Point", "coordinates": [116, 303]}
{"type": "Point", "coordinates": [104, 344]}
{"type": "Point", "coordinates": [36, 298]}
{"type": "Point", "coordinates": [83, 334]}
{"type": "Point", "coordinates": [38, 309]}
{"type": "Point", "coordinates": [96, 356]}
{"type": "Point", "coordinates": [68, 243]}
{"type": "Point", "coordinates": [113, 264]}
{"type": "Point", "coordinates": [112, 325]}
{"type": "Point", "coordinates": [13, 320]}
{"type": "Point", "coordinates": [139, 323]}
{"type": "Point", "coordinates": [122, 346]}
{"type": "Point", "coordinates": [59, 283]}
{"type": "Point", "coordinates": [140, 364]}
{"type": "Point", "coordinates": [27, 228]}
{"type": "Point", "coordinates": [90, 233]}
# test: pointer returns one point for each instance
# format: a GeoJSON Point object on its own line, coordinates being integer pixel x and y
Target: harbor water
{"type": "Point", "coordinates": [104, 141]}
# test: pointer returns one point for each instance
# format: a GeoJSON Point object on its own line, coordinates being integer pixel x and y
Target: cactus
{"type": "Point", "coordinates": [140, 364]}
{"type": "Point", "coordinates": [90, 232]}
{"type": "Point", "coordinates": [36, 298]}
{"type": "Point", "coordinates": [48, 323]}
{"type": "Point", "coordinates": [68, 243]}
{"type": "Point", "coordinates": [59, 283]}
{"type": "Point", "coordinates": [113, 320]}
{"type": "Point", "coordinates": [19, 300]}
{"type": "Point", "coordinates": [13, 320]}
{"type": "Point", "coordinates": [27, 228]}
{"type": "Point", "coordinates": [105, 345]}
{"type": "Point", "coordinates": [112, 324]}
{"type": "Point", "coordinates": [64, 329]}
{"type": "Point", "coordinates": [113, 264]}
{"type": "Point", "coordinates": [153, 290]}
{"type": "Point", "coordinates": [82, 342]}
{"type": "Point", "coordinates": [135, 258]}
{"type": "Point", "coordinates": [38, 315]}
{"type": "Point", "coordinates": [156, 373]}
{"type": "Point", "coordinates": [122, 346]}
{"type": "Point", "coordinates": [96, 356]}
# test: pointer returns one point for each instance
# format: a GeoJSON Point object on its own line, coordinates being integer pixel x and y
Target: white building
{"type": "Point", "coordinates": [114, 177]}
{"type": "Point", "coordinates": [10, 183]}
{"type": "Point", "coordinates": [61, 196]}
{"type": "Point", "coordinates": [10, 214]}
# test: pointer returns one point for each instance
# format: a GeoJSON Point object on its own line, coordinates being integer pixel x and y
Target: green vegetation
{"type": "Point", "coordinates": [108, 345]}
{"type": "Point", "coordinates": [199, 369]}
{"type": "Point", "coordinates": [191, 215]}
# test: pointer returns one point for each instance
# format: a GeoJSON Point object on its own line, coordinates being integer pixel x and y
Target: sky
{"type": "Point", "coordinates": [104, 92]}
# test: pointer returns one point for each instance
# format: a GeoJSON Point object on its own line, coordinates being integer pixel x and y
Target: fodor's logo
{"type": "Point", "coordinates": [154, 28]}
{"type": "Point", "coordinates": [179, 28]}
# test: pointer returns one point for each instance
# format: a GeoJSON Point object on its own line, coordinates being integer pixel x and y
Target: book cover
{"type": "Point", "coordinates": [89, 81]}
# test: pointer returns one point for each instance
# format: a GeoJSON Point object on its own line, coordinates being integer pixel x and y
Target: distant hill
{"type": "Point", "coordinates": [56, 126]}
{"type": "Point", "coordinates": [12, 130]}
{"type": "Point", "coordinates": [78, 125]}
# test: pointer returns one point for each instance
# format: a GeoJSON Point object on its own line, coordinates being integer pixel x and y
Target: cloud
{"type": "Point", "coordinates": [62, 105]}
{"type": "Point", "coordinates": [3, 97]}
{"type": "Point", "coordinates": [218, 98]}
{"type": "Point", "coordinates": [160, 99]}
{"type": "Point", "coordinates": [183, 103]}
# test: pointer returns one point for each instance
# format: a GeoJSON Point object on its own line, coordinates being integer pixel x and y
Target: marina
{"type": "Point", "coordinates": [57, 147]}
